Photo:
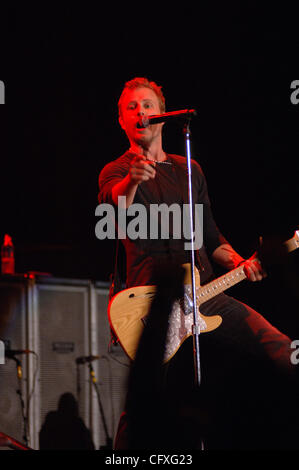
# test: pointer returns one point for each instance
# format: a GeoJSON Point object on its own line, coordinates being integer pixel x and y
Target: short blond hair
{"type": "Point", "coordinates": [142, 82]}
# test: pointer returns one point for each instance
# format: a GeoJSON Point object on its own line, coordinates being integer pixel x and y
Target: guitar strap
{"type": "Point", "coordinates": [115, 286]}
{"type": "Point", "coordinates": [115, 282]}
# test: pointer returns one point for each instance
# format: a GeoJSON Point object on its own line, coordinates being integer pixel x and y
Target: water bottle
{"type": "Point", "coordinates": [7, 256]}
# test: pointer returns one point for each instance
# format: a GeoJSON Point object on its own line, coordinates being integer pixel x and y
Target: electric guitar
{"type": "Point", "coordinates": [127, 310]}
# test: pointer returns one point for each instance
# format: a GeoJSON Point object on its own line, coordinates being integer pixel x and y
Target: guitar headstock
{"type": "Point", "coordinates": [293, 243]}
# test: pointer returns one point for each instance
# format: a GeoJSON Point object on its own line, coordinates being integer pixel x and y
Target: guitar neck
{"type": "Point", "coordinates": [293, 243]}
{"type": "Point", "coordinates": [235, 276]}
{"type": "Point", "coordinates": [220, 284]}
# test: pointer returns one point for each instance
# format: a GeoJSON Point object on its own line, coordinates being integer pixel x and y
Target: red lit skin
{"type": "Point", "coordinates": [137, 103]}
{"type": "Point", "coordinates": [226, 256]}
{"type": "Point", "coordinates": [146, 144]}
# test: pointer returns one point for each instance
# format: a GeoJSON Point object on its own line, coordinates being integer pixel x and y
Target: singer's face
{"type": "Point", "coordinates": [135, 104]}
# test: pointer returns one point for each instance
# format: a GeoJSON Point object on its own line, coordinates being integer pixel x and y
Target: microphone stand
{"type": "Point", "coordinates": [196, 326]}
{"type": "Point", "coordinates": [78, 383]}
{"type": "Point", "coordinates": [19, 392]}
{"type": "Point", "coordinates": [94, 381]}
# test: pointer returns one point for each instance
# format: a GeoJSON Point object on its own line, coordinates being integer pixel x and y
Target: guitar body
{"type": "Point", "coordinates": [129, 308]}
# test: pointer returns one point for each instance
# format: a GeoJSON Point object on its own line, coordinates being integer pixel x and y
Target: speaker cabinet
{"type": "Point", "coordinates": [13, 332]}
{"type": "Point", "coordinates": [60, 320]}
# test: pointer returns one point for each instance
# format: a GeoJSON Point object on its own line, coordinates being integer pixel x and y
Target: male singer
{"type": "Point", "coordinates": [245, 346]}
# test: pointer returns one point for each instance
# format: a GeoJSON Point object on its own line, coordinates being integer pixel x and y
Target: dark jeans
{"type": "Point", "coordinates": [247, 398]}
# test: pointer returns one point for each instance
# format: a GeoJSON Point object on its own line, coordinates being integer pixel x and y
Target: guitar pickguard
{"type": "Point", "coordinates": [180, 322]}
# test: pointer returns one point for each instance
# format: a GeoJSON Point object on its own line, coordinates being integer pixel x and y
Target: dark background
{"type": "Point", "coordinates": [64, 68]}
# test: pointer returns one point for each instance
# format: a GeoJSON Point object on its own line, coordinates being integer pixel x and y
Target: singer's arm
{"type": "Point", "coordinates": [227, 257]}
{"type": "Point", "coordinates": [218, 247]}
{"type": "Point", "coordinates": [124, 188]}
{"type": "Point", "coordinates": [140, 170]}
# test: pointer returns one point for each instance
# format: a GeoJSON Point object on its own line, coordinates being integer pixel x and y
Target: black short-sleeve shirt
{"type": "Point", "coordinates": [170, 186]}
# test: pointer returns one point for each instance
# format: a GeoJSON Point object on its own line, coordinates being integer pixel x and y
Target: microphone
{"type": "Point", "coordinates": [84, 359]}
{"type": "Point", "coordinates": [146, 121]}
{"type": "Point", "coordinates": [11, 353]}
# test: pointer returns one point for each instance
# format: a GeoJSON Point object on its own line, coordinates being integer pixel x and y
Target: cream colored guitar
{"type": "Point", "coordinates": [129, 308]}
